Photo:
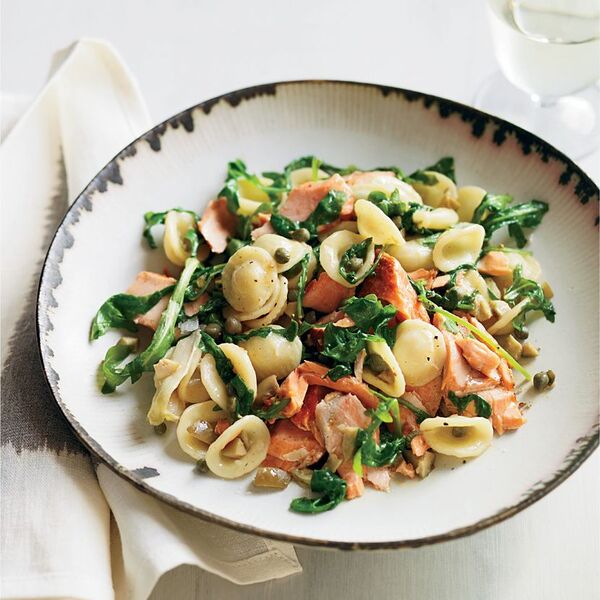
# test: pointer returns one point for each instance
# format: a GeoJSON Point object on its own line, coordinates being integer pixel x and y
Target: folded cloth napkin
{"type": "Point", "coordinates": [56, 514]}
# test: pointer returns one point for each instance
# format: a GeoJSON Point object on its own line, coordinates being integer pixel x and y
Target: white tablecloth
{"type": "Point", "coordinates": [184, 51]}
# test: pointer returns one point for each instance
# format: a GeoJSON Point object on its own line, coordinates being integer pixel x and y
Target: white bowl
{"type": "Point", "coordinates": [98, 250]}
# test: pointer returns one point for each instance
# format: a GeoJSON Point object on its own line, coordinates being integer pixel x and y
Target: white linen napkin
{"type": "Point", "coordinates": [56, 520]}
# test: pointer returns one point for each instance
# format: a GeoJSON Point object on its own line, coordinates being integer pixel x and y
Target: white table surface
{"type": "Point", "coordinates": [185, 51]}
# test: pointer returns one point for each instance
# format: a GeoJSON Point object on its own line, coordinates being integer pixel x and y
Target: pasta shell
{"type": "Point", "coordinates": [276, 311]}
{"type": "Point", "coordinates": [255, 437]}
{"type": "Point", "coordinates": [459, 246]}
{"type": "Point", "coordinates": [305, 174]}
{"type": "Point", "coordinates": [261, 310]}
{"type": "Point", "coordinates": [341, 226]}
{"type": "Point", "coordinates": [247, 207]}
{"type": "Point", "coordinates": [390, 382]}
{"type": "Point", "coordinates": [469, 198]}
{"type": "Point", "coordinates": [412, 255]}
{"type": "Point", "coordinates": [438, 218]}
{"type": "Point", "coordinates": [373, 222]}
{"type": "Point", "coordinates": [204, 411]}
{"type": "Point", "coordinates": [530, 265]}
{"type": "Point", "coordinates": [180, 358]}
{"type": "Point", "coordinates": [273, 355]}
{"type": "Point", "coordinates": [191, 389]}
{"type": "Point", "coordinates": [271, 242]}
{"type": "Point", "coordinates": [249, 190]}
{"type": "Point", "coordinates": [249, 279]}
{"type": "Point", "coordinates": [420, 351]}
{"type": "Point", "coordinates": [464, 437]}
{"type": "Point", "coordinates": [177, 224]}
{"type": "Point", "coordinates": [387, 184]}
{"type": "Point", "coordinates": [213, 382]}
{"type": "Point", "coordinates": [442, 194]}
{"type": "Point", "coordinates": [332, 250]}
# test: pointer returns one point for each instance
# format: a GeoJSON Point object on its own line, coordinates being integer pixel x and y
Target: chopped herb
{"type": "Point", "coordinates": [332, 490]}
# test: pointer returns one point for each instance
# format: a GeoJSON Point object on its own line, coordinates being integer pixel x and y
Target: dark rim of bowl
{"type": "Point", "coordinates": [110, 173]}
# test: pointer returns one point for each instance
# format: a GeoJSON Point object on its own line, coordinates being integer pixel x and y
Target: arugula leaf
{"type": "Point", "coordinates": [521, 288]}
{"type": "Point", "coordinates": [120, 310]}
{"type": "Point", "coordinates": [430, 240]}
{"type": "Point", "coordinates": [115, 355]}
{"type": "Point", "coordinates": [231, 193]}
{"type": "Point", "coordinates": [283, 225]}
{"type": "Point", "coordinates": [302, 280]}
{"type": "Point", "coordinates": [201, 279]}
{"type": "Point", "coordinates": [494, 213]}
{"type": "Point", "coordinates": [482, 407]}
{"type": "Point", "coordinates": [444, 166]}
{"type": "Point", "coordinates": [384, 453]}
{"type": "Point", "coordinates": [368, 313]}
{"type": "Point", "coordinates": [332, 490]}
{"type": "Point", "coordinates": [401, 212]}
{"type": "Point", "coordinates": [192, 239]}
{"type": "Point", "coordinates": [162, 340]}
{"type": "Point", "coordinates": [273, 411]}
{"type": "Point", "coordinates": [290, 333]}
{"type": "Point", "coordinates": [450, 298]}
{"type": "Point", "coordinates": [420, 414]}
{"type": "Point", "coordinates": [151, 219]}
{"type": "Point", "coordinates": [343, 344]}
{"type": "Point", "coordinates": [338, 372]}
{"type": "Point", "coordinates": [359, 250]}
{"type": "Point", "coordinates": [327, 211]}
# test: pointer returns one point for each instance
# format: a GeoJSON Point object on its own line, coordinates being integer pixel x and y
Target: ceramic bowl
{"type": "Point", "coordinates": [98, 249]}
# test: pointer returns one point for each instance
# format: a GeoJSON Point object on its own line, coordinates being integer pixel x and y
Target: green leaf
{"type": "Point", "coordinates": [482, 407]}
{"type": "Point", "coordinates": [151, 219]}
{"type": "Point", "coordinates": [522, 288]}
{"type": "Point", "coordinates": [283, 226]}
{"type": "Point", "coordinates": [201, 279]}
{"type": "Point", "coordinates": [302, 281]}
{"type": "Point", "coordinates": [343, 344]}
{"type": "Point", "coordinates": [444, 166]}
{"type": "Point", "coordinates": [115, 355]}
{"type": "Point", "coordinates": [192, 240]}
{"type": "Point", "coordinates": [327, 211]}
{"type": "Point", "coordinates": [273, 411]}
{"type": "Point", "coordinates": [338, 372]}
{"type": "Point", "coordinates": [120, 310]}
{"type": "Point", "coordinates": [163, 337]}
{"type": "Point", "coordinates": [332, 490]}
{"type": "Point", "coordinates": [368, 313]}
{"type": "Point", "coordinates": [231, 194]}
{"type": "Point", "coordinates": [359, 250]}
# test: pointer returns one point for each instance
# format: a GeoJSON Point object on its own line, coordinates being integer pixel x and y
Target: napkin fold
{"type": "Point", "coordinates": [56, 514]}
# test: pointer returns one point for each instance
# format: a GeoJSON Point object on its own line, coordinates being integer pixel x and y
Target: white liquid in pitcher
{"type": "Point", "coordinates": [549, 48]}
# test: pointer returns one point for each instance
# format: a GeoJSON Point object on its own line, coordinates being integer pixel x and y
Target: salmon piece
{"type": "Point", "coordinates": [221, 426]}
{"type": "Point", "coordinates": [303, 199]}
{"type": "Point", "coordinates": [315, 374]}
{"type": "Point", "coordinates": [277, 463]}
{"type": "Point", "coordinates": [480, 357]}
{"type": "Point", "coordinates": [506, 374]}
{"type": "Point", "coordinates": [147, 283]}
{"type": "Point", "coordinates": [505, 409]}
{"type": "Point", "coordinates": [378, 477]}
{"type": "Point", "coordinates": [495, 264]}
{"type": "Point", "coordinates": [418, 445]}
{"type": "Point", "coordinates": [217, 225]}
{"type": "Point", "coordinates": [324, 294]}
{"type": "Point", "coordinates": [305, 417]}
{"type": "Point", "coordinates": [459, 376]}
{"type": "Point", "coordinates": [265, 228]}
{"type": "Point", "coordinates": [390, 283]}
{"type": "Point", "coordinates": [354, 484]}
{"type": "Point", "coordinates": [427, 276]}
{"type": "Point", "coordinates": [406, 469]}
{"type": "Point", "coordinates": [191, 308]}
{"type": "Point", "coordinates": [293, 445]}
{"type": "Point", "coordinates": [440, 281]}
{"type": "Point", "coordinates": [294, 387]}
{"type": "Point", "coordinates": [430, 394]}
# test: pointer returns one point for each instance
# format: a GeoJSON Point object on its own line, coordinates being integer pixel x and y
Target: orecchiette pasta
{"type": "Point", "coordinates": [168, 373]}
{"type": "Point", "coordinates": [531, 268]}
{"type": "Point", "coordinates": [332, 250]}
{"type": "Point", "coordinates": [244, 456]}
{"type": "Point", "coordinates": [420, 351]}
{"type": "Point", "coordinates": [389, 380]}
{"type": "Point", "coordinates": [195, 430]}
{"type": "Point", "coordinates": [272, 242]}
{"type": "Point", "coordinates": [442, 194]}
{"type": "Point", "coordinates": [438, 218]}
{"type": "Point", "coordinates": [342, 226]}
{"type": "Point", "coordinates": [276, 311]}
{"type": "Point", "coordinates": [305, 174]}
{"type": "Point", "coordinates": [383, 182]}
{"type": "Point", "coordinates": [191, 389]}
{"type": "Point", "coordinates": [459, 246]}
{"type": "Point", "coordinates": [469, 281]}
{"type": "Point", "coordinates": [273, 355]}
{"type": "Point", "coordinates": [374, 223]}
{"type": "Point", "coordinates": [212, 381]}
{"type": "Point", "coordinates": [412, 255]}
{"type": "Point", "coordinates": [249, 190]}
{"type": "Point", "coordinates": [469, 198]}
{"type": "Point", "coordinates": [250, 280]}
{"type": "Point", "coordinates": [459, 436]}
{"type": "Point", "coordinates": [177, 224]}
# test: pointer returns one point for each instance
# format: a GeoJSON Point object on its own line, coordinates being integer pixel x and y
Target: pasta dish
{"type": "Point", "coordinates": [334, 326]}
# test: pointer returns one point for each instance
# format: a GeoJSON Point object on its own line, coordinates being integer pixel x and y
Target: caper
{"type": "Point", "coordinates": [160, 429]}
{"type": "Point", "coordinates": [521, 334]}
{"type": "Point", "coordinates": [292, 295]}
{"type": "Point", "coordinates": [301, 235]}
{"type": "Point", "coordinates": [541, 381]}
{"type": "Point", "coordinates": [355, 264]}
{"type": "Point", "coordinates": [214, 330]}
{"type": "Point", "coordinates": [376, 363]}
{"type": "Point", "coordinates": [310, 316]}
{"type": "Point", "coordinates": [233, 326]}
{"type": "Point", "coordinates": [459, 432]}
{"type": "Point", "coordinates": [551, 377]}
{"type": "Point", "coordinates": [201, 466]}
{"type": "Point", "coordinates": [282, 255]}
